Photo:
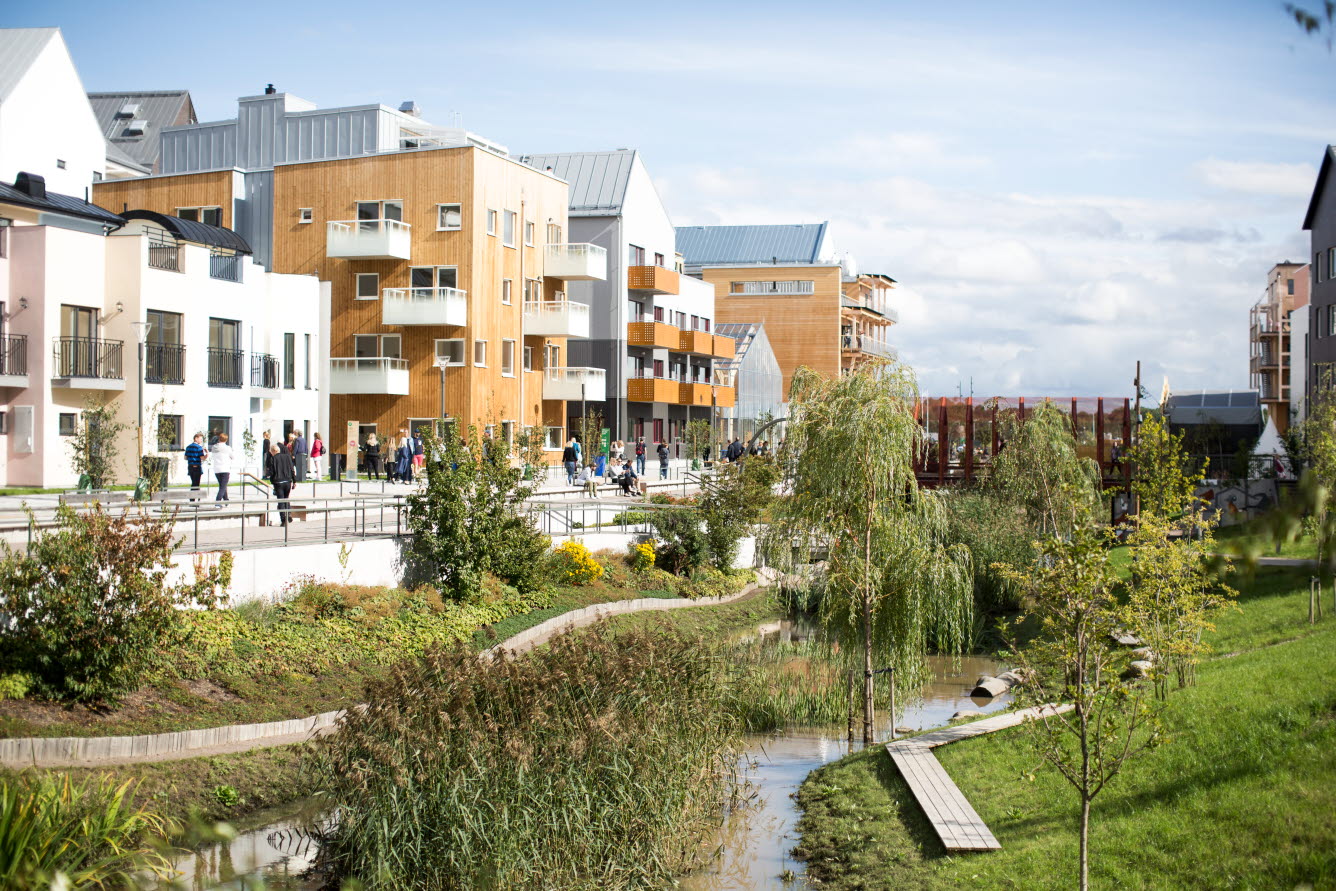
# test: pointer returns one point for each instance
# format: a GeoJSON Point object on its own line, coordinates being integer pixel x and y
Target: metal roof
{"type": "Point", "coordinates": [118, 155]}
{"type": "Point", "coordinates": [19, 48]}
{"type": "Point", "coordinates": [57, 203]}
{"type": "Point", "coordinates": [192, 231]}
{"type": "Point", "coordinates": [786, 245]}
{"type": "Point", "coordinates": [597, 179]}
{"type": "Point", "coordinates": [1318, 187]}
{"type": "Point", "coordinates": [744, 333]}
{"type": "Point", "coordinates": [1241, 407]}
{"type": "Point", "coordinates": [154, 109]}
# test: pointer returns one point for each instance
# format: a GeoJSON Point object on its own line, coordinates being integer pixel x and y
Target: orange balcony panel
{"type": "Point", "coordinates": [653, 334]}
{"type": "Point", "coordinates": [725, 397]}
{"type": "Point", "coordinates": [724, 347]}
{"type": "Point", "coordinates": [694, 394]}
{"type": "Point", "coordinates": [697, 342]}
{"type": "Point", "coordinates": [654, 279]}
{"type": "Point", "coordinates": [651, 389]}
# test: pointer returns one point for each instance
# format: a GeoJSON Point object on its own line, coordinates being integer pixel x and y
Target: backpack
{"type": "Point", "coordinates": [640, 448]}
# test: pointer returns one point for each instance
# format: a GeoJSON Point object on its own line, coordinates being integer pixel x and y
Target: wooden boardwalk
{"type": "Point", "coordinates": [953, 819]}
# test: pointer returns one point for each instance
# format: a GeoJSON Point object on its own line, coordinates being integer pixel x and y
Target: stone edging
{"type": "Point", "coordinates": [74, 751]}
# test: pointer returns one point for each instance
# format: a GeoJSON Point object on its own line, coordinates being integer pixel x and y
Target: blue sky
{"type": "Point", "coordinates": [1060, 190]}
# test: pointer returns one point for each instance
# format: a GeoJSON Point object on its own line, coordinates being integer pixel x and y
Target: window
{"type": "Point", "coordinates": [1331, 261]}
{"type": "Point", "coordinates": [553, 234]}
{"type": "Point", "coordinates": [421, 277]}
{"type": "Point", "coordinates": [658, 430]}
{"type": "Point", "coordinates": [306, 360]}
{"type": "Point", "coordinates": [372, 211]}
{"type": "Point", "coordinates": [533, 290]}
{"type": "Point", "coordinates": [289, 361]}
{"type": "Point", "coordinates": [225, 353]}
{"type": "Point", "coordinates": [658, 259]}
{"type": "Point", "coordinates": [508, 229]}
{"type": "Point", "coordinates": [528, 233]}
{"type": "Point", "coordinates": [552, 358]}
{"type": "Point", "coordinates": [97, 177]}
{"type": "Point", "coordinates": [505, 291]}
{"type": "Point", "coordinates": [305, 215]}
{"type": "Point", "coordinates": [1317, 267]}
{"type": "Point", "coordinates": [772, 288]}
{"type": "Point", "coordinates": [480, 353]}
{"type": "Point", "coordinates": [68, 423]}
{"type": "Point", "coordinates": [452, 351]}
{"type": "Point", "coordinates": [507, 358]}
{"type": "Point", "coordinates": [528, 358]}
{"type": "Point", "coordinates": [368, 285]}
{"type": "Point", "coordinates": [218, 425]}
{"type": "Point", "coordinates": [491, 222]}
{"type": "Point", "coordinates": [635, 255]}
{"type": "Point", "coordinates": [60, 163]}
{"type": "Point", "coordinates": [1289, 286]}
{"type": "Point", "coordinates": [707, 325]}
{"type": "Point", "coordinates": [508, 432]}
{"type": "Point", "coordinates": [449, 217]}
{"type": "Point", "coordinates": [171, 433]}
{"type": "Point", "coordinates": [211, 215]}
{"type": "Point", "coordinates": [552, 439]}
{"type": "Point", "coordinates": [390, 346]}
{"type": "Point", "coordinates": [1331, 320]}
{"type": "Point", "coordinates": [164, 358]}
{"type": "Point", "coordinates": [695, 323]}
{"type": "Point", "coordinates": [376, 346]}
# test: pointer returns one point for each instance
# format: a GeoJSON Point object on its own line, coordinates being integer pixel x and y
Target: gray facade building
{"type": "Point", "coordinates": [760, 382]}
{"type": "Point", "coordinates": [1320, 223]}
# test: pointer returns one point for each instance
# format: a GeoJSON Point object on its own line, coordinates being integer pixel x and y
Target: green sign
{"type": "Point", "coordinates": [605, 440]}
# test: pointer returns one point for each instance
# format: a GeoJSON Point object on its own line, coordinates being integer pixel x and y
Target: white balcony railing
{"type": "Point", "coordinates": [865, 344]}
{"type": "Point", "coordinates": [575, 384]}
{"type": "Point", "coordinates": [556, 318]}
{"type": "Point", "coordinates": [576, 262]}
{"type": "Point", "coordinates": [424, 306]}
{"type": "Point", "coordinates": [369, 239]}
{"type": "Point", "coordinates": [776, 288]}
{"type": "Point", "coordinates": [369, 376]}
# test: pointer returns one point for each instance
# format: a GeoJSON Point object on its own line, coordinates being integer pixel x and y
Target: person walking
{"type": "Point", "coordinates": [195, 464]}
{"type": "Point", "coordinates": [403, 463]}
{"type": "Point", "coordinates": [300, 455]}
{"type": "Point", "coordinates": [264, 455]}
{"type": "Point", "coordinates": [570, 458]}
{"type": "Point", "coordinates": [220, 457]}
{"type": "Point", "coordinates": [640, 456]}
{"type": "Point", "coordinates": [372, 452]}
{"type": "Point", "coordinates": [419, 454]}
{"type": "Point", "coordinates": [285, 473]}
{"type": "Point", "coordinates": [317, 454]}
{"type": "Point", "coordinates": [663, 459]}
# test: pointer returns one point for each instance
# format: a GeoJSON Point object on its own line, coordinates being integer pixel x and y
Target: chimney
{"type": "Point", "coordinates": [269, 90]}
{"type": "Point", "coordinates": [32, 185]}
{"type": "Point", "coordinates": [408, 106]}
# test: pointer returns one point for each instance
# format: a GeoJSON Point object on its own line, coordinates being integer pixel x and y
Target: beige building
{"type": "Point", "coordinates": [1269, 339]}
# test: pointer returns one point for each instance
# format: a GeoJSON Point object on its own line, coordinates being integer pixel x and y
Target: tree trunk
{"type": "Point", "coordinates": [1085, 843]}
{"type": "Point", "coordinates": [867, 671]}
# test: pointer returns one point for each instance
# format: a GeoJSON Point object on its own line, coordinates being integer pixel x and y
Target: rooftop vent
{"type": "Point", "coordinates": [128, 110]}
{"type": "Point", "coordinates": [31, 184]}
{"type": "Point", "coordinates": [136, 127]}
{"type": "Point", "coordinates": [269, 90]}
{"type": "Point", "coordinates": [408, 106]}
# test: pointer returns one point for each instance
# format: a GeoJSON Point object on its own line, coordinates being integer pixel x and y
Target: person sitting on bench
{"type": "Point", "coordinates": [629, 479]}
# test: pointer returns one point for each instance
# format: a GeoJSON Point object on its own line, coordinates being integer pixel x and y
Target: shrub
{"type": "Point", "coordinates": [576, 565]}
{"type": "Point", "coordinates": [227, 796]}
{"type": "Point", "coordinates": [15, 684]}
{"type": "Point", "coordinates": [89, 607]}
{"type": "Point", "coordinates": [641, 556]}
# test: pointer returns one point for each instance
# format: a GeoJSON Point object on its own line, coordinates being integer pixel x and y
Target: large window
{"type": "Point", "coordinates": [370, 211]}
{"type": "Point", "coordinates": [211, 215]}
{"type": "Point", "coordinates": [289, 361]}
{"type": "Point", "coordinates": [508, 229]}
{"type": "Point", "coordinates": [451, 350]}
{"type": "Point", "coordinates": [553, 233]}
{"type": "Point", "coordinates": [434, 277]}
{"type": "Point", "coordinates": [376, 346]}
{"type": "Point", "coordinates": [449, 217]}
{"type": "Point", "coordinates": [508, 358]}
{"type": "Point", "coordinates": [164, 357]}
{"type": "Point", "coordinates": [225, 353]}
{"type": "Point", "coordinates": [171, 433]}
{"type": "Point", "coordinates": [218, 425]}
{"type": "Point", "coordinates": [772, 288]}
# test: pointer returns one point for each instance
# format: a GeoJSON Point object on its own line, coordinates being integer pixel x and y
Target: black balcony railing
{"type": "Point", "coordinates": [165, 256]}
{"type": "Point", "coordinates": [264, 371]}
{"type": "Point", "coordinates": [164, 363]}
{"type": "Point", "coordinates": [225, 368]}
{"type": "Point", "coordinates": [88, 357]}
{"type": "Point", "coordinates": [14, 354]}
{"type": "Point", "coordinates": [225, 266]}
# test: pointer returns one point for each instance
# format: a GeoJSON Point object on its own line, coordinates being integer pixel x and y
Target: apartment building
{"type": "Point", "coordinates": [1270, 338]}
{"type": "Point", "coordinates": [1320, 223]}
{"type": "Point", "coordinates": [107, 309]}
{"type": "Point", "coordinates": [448, 262]}
{"type": "Point", "coordinates": [866, 317]}
{"type": "Point", "coordinates": [652, 329]}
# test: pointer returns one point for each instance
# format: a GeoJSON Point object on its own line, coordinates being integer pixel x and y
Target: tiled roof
{"type": "Point", "coordinates": [597, 179]}
{"type": "Point", "coordinates": [798, 244]}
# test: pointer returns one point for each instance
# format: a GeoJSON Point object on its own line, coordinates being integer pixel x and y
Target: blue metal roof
{"type": "Point", "coordinates": [797, 244]}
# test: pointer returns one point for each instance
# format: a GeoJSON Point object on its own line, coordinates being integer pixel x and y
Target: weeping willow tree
{"type": "Point", "coordinates": [890, 585]}
{"type": "Point", "coordinates": [1040, 472]}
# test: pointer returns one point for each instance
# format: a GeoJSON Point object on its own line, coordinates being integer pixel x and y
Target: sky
{"type": "Point", "coordinates": [1060, 191]}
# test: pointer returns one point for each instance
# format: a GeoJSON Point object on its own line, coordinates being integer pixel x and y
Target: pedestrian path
{"type": "Point", "coordinates": [952, 817]}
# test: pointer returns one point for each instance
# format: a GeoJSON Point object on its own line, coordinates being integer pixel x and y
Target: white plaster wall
{"type": "Point", "coordinates": [47, 118]}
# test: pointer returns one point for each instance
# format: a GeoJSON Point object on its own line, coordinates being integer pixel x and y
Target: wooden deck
{"type": "Point", "coordinates": [953, 819]}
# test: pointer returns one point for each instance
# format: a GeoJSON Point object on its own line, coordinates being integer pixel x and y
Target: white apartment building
{"type": "Point", "coordinates": [226, 346]}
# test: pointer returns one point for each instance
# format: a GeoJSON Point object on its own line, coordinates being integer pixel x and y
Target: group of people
{"type": "Point", "coordinates": [398, 457]}
{"type": "Point", "coordinates": [735, 450]}
{"type": "Point", "coordinates": [219, 456]}
{"type": "Point", "coordinates": [618, 469]}
{"type": "Point", "coordinates": [306, 457]}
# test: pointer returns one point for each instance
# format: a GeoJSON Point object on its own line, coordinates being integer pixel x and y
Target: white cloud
{"type": "Point", "coordinates": [1258, 177]}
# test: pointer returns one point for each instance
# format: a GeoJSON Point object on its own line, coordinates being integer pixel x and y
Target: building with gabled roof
{"type": "Point", "coordinates": [758, 378]}
{"type": "Point", "coordinates": [1320, 223]}
{"type": "Point", "coordinates": [132, 123]}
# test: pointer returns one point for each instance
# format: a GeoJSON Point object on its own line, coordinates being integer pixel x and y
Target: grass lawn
{"type": "Point", "coordinates": [1249, 538]}
{"type": "Point", "coordinates": [1241, 796]}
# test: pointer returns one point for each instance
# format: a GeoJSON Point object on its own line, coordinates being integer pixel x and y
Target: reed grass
{"type": "Point", "coordinates": [789, 683]}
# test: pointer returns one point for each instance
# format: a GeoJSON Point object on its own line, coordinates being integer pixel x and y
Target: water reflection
{"type": "Point", "coordinates": [277, 846]}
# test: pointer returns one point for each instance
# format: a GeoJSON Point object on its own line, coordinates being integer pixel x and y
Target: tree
{"type": "Point", "coordinates": [591, 436]}
{"type": "Point", "coordinates": [698, 435]}
{"type": "Point", "coordinates": [470, 521]}
{"type": "Point", "coordinates": [891, 586]}
{"type": "Point", "coordinates": [531, 447]}
{"type": "Point", "coordinates": [88, 604]}
{"type": "Point", "coordinates": [1320, 22]}
{"type": "Point", "coordinates": [1071, 595]}
{"type": "Point", "coordinates": [96, 443]}
{"type": "Point", "coordinates": [734, 500]}
{"type": "Point", "coordinates": [1040, 471]}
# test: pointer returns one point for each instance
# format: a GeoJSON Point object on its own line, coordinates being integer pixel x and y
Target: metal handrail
{"type": "Point", "coordinates": [225, 367]}
{"type": "Point", "coordinates": [87, 357]}
{"type": "Point", "coordinates": [164, 363]}
{"type": "Point", "coordinates": [14, 354]}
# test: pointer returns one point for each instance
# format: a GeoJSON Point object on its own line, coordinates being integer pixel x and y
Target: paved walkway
{"type": "Point", "coordinates": [953, 819]}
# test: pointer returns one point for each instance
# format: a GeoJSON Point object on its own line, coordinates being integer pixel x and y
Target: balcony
{"type": "Point", "coordinates": [14, 360]}
{"type": "Point", "coordinates": [226, 267]}
{"type": "Point", "coordinates": [556, 318]}
{"type": "Point", "coordinates": [575, 384]}
{"type": "Point", "coordinates": [861, 343]}
{"type": "Point", "coordinates": [654, 279]}
{"type": "Point", "coordinates": [575, 262]}
{"type": "Point", "coordinates": [87, 363]}
{"type": "Point", "coordinates": [725, 390]}
{"type": "Point", "coordinates": [368, 239]}
{"type": "Point", "coordinates": [699, 343]}
{"type": "Point", "coordinates": [724, 347]}
{"type": "Point", "coordinates": [265, 376]}
{"type": "Point", "coordinates": [653, 389]}
{"type": "Point", "coordinates": [225, 368]}
{"type": "Point", "coordinates": [424, 306]}
{"type": "Point", "coordinates": [653, 334]}
{"type": "Point", "coordinates": [164, 363]}
{"type": "Point", "coordinates": [695, 394]}
{"type": "Point", "coordinates": [164, 255]}
{"type": "Point", "coordinates": [368, 376]}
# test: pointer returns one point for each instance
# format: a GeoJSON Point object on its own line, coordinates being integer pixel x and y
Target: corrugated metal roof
{"type": "Point", "coordinates": [744, 333]}
{"type": "Point", "coordinates": [156, 109]}
{"type": "Point", "coordinates": [797, 244]}
{"type": "Point", "coordinates": [115, 153]}
{"type": "Point", "coordinates": [597, 179]}
{"type": "Point", "coordinates": [19, 48]}
{"type": "Point", "coordinates": [58, 203]}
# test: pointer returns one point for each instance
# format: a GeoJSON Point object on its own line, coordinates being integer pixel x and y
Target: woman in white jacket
{"type": "Point", "coordinates": [220, 457]}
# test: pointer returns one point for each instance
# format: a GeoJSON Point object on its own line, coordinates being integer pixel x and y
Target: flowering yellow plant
{"type": "Point", "coordinates": [641, 556]}
{"type": "Point", "coordinates": [578, 566]}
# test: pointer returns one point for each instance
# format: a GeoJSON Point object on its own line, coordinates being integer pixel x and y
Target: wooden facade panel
{"type": "Point", "coordinates": [164, 194]}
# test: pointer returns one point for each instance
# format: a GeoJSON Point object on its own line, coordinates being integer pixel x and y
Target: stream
{"type": "Point", "coordinates": [754, 843]}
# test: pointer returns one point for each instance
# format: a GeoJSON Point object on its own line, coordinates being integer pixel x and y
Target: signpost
{"type": "Point", "coordinates": [350, 471]}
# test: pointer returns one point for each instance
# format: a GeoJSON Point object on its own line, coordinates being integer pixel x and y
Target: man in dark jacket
{"type": "Point", "coordinates": [282, 474]}
{"type": "Point", "coordinates": [569, 460]}
{"type": "Point", "coordinates": [300, 456]}
{"type": "Point", "coordinates": [734, 450]}
{"type": "Point", "coordinates": [640, 455]}
{"type": "Point", "coordinates": [663, 460]}
{"type": "Point", "coordinates": [195, 464]}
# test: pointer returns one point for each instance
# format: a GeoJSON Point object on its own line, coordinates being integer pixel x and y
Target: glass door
{"type": "Point", "coordinates": [78, 341]}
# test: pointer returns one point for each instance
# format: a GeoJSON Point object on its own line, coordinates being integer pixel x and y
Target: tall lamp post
{"type": "Point", "coordinates": [141, 335]}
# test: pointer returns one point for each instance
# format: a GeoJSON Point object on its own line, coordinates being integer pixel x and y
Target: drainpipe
{"type": "Point", "coordinates": [523, 289]}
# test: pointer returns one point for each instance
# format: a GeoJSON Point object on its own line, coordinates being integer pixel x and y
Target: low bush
{"type": "Point", "coordinates": [576, 565]}
{"type": "Point", "coordinates": [15, 684]}
{"type": "Point", "coordinates": [640, 556]}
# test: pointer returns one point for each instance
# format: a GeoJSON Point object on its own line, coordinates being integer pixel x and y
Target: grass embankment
{"type": "Point", "coordinates": [312, 653]}
{"type": "Point", "coordinates": [1241, 797]}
